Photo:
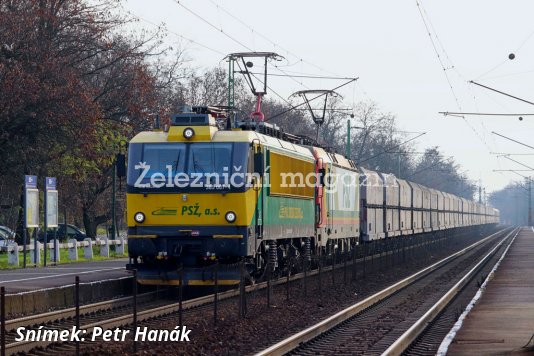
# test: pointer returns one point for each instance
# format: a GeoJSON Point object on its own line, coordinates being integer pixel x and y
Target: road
{"type": "Point", "coordinates": [34, 278]}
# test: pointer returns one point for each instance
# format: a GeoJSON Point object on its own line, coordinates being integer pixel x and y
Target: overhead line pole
{"type": "Point", "coordinates": [501, 92]}
{"type": "Point", "coordinates": [511, 154]}
{"type": "Point", "coordinates": [390, 148]}
{"type": "Point", "coordinates": [511, 139]}
{"type": "Point", "coordinates": [452, 113]}
{"type": "Point", "coordinates": [316, 97]}
{"type": "Point", "coordinates": [529, 201]}
{"type": "Point", "coordinates": [513, 160]}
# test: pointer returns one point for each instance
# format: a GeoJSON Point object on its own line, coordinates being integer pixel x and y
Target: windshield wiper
{"type": "Point", "coordinates": [177, 161]}
{"type": "Point", "coordinates": [195, 164]}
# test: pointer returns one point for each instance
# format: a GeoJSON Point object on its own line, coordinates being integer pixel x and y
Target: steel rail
{"type": "Point", "coordinates": [52, 316]}
{"type": "Point", "coordinates": [323, 326]}
{"type": "Point", "coordinates": [410, 335]}
{"type": "Point", "coordinates": [26, 346]}
{"type": "Point", "coordinates": [71, 312]}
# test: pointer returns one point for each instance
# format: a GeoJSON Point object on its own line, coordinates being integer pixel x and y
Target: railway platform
{"type": "Point", "coordinates": [36, 278]}
{"type": "Point", "coordinates": [502, 321]}
{"type": "Point", "coordinates": [40, 289]}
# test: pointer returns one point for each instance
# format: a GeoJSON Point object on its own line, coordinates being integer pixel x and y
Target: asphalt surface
{"type": "Point", "coordinates": [35, 278]}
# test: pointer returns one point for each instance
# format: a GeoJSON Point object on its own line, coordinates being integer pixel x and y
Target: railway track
{"type": "Point", "coordinates": [389, 321]}
{"type": "Point", "coordinates": [435, 338]}
{"type": "Point", "coordinates": [118, 313]}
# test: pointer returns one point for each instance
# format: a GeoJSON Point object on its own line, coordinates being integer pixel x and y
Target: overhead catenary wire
{"type": "Point", "coordinates": [420, 9]}
{"type": "Point", "coordinates": [422, 13]}
{"type": "Point", "coordinates": [503, 93]}
{"type": "Point", "coordinates": [521, 164]}
{"type": "Point", "coordinates": [511, 154]}
{"type": "Point", "coordinates": [177, 34]}
{"type": "Point", "coordinates": [511, 139]}
{"type": "Point", "coordinates": [506, 60]}
{"type": "Point", "coordinates": [387, 150]}
{"type": "Point", "coordinates": [303, 76]}
{"type": "Point", "coordinates": [221, 30]}
{"type": "Point", "coordinates": [276, 45]}
{"type": "Point", "coordinates": [269, 40]}
{"type": "Point", "coordinates": [452, 113]}
{"type": "Point", "coordinates": [311, 99]}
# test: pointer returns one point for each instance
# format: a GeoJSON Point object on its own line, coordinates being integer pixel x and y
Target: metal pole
{"type": "Point", "coordinates": [65, 222]}
{"type": "Point", "coordinates": [529, 202]}
{"type": "Point", "coordinates": [354, 271]}
{"type": "Point", "coordinates": [345, 268]}
{"type": "Point", "coordinates": [56, 252]}
{"type": "Point", "coordinates": [114, 188]}
{"type": "Point", "coordinates": [45, 238]}
{"type": "Point", "coordinates": [35, 234]}
{"type": "Point", "coordinates": [180, 296]}
{"type": "Point", "coordinates": [242, 300]}
{"type": "Point", "coordinates": [77, 306]}
{"type": "Point", "coordinates": [3, 320]}
{"type": "Point", "coordinates": [216, 293]}
{"type": "Point", "coordinates": [348, 139]}
{"type": "Point", "coordinates": [403, 249]}
{"type": "Point", "coordinates": [305, 267]}
{"type": "Point", "coordinates": [24, 232]}
{"type": "Point", "coordinates": [372, 248]}
{"type": "Point", "coordinates": [134, 296]}
{"type": "Point", "coordinates": [287, 278]}
{"type": "Point", "coordinates": [334, 267]}
{"type": "Point", "coordinates": [320, 273]}
{"type": "Point", "coordinates": [269, 269]}
{"type": "Point", "coordinates": [230, 82]}
{"type": "Point", "coordinates": [24, 248]}
{"type": "Point", "coordinates": [364, 258]}
{"type": "Point", "coordinates": [399, 162]}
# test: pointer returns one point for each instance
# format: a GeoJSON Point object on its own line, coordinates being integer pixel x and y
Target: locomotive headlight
{"type": "Point", "coordinates": [230, 216]}
{"type": "Point", "coordinates": [188, 133]}
{"type": "Point", "coordinates": [139, 217]}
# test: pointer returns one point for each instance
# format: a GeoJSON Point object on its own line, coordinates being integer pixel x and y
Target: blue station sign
{"type": "Point", "coordinates": [30, 181]}
{"type": "Point", "coordinates": [50, 183]}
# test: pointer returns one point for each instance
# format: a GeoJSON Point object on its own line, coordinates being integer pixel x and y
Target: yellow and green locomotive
{"type": "Point", "coordinates": [199, 193]}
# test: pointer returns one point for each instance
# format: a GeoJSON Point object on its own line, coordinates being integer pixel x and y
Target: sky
{"type": "Point", "coordinates": [414, 58]}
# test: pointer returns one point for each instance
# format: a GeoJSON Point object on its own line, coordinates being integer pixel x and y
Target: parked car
{"type": "Point", "coordinates": [10, 233]}
{"type": "Point", "coordinates": [6, 235]}
{"type": "Point", "coordinates": [4, 239]}
{"type": "Point", "coordinates": [73, 232]}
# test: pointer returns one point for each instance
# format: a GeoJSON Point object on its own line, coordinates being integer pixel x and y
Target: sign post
{"type": "Point", "coordinates": [31, 209]}
{"type": "Point", "coordinates": [50, 213]}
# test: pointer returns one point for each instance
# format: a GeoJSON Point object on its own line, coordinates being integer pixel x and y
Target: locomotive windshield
{"type": "Point", "coordinates": [198, 166]}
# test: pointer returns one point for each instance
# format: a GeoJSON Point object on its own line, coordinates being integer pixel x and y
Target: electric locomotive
{"type": "Point", "coordinates": [210, 192]}
{"type": "Point", "coordinates": [198, 194]}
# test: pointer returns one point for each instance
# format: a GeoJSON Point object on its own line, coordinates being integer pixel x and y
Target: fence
{"type": "Point", "coordinates": [55, 246]}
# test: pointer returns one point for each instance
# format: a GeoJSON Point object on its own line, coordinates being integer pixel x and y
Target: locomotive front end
{"type": "Point", "coordinates": [190, 203]}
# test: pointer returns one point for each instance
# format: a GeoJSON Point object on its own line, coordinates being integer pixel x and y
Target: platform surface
{"type": "Point", "coordinates": [35, 278]}
{"type": "Point", "coordinates": [502, 321]}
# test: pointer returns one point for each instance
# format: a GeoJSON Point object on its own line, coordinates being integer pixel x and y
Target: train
{"type": "Point", "coordinates": [209, 190]}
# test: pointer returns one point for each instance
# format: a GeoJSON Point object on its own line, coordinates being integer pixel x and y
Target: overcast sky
{"type": "Point", "coordinates": [386, 45]}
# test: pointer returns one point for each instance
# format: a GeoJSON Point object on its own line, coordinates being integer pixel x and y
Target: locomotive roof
{"type": "Point", "coordinates": [228, 136]}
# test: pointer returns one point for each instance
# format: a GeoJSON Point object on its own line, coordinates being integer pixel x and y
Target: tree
{"type": "Point", "coordinates": [73, 82]}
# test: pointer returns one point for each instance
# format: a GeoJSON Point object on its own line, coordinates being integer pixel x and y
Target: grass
{"type": "Point", "coordinates": [63, 257]}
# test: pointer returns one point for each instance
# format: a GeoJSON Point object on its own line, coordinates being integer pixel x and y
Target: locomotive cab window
{"type": "Point", "coordinates": [193, 166]}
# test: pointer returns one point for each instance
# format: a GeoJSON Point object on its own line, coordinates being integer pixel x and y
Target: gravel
{"type": "Point", "coordinates": [263, 325]}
